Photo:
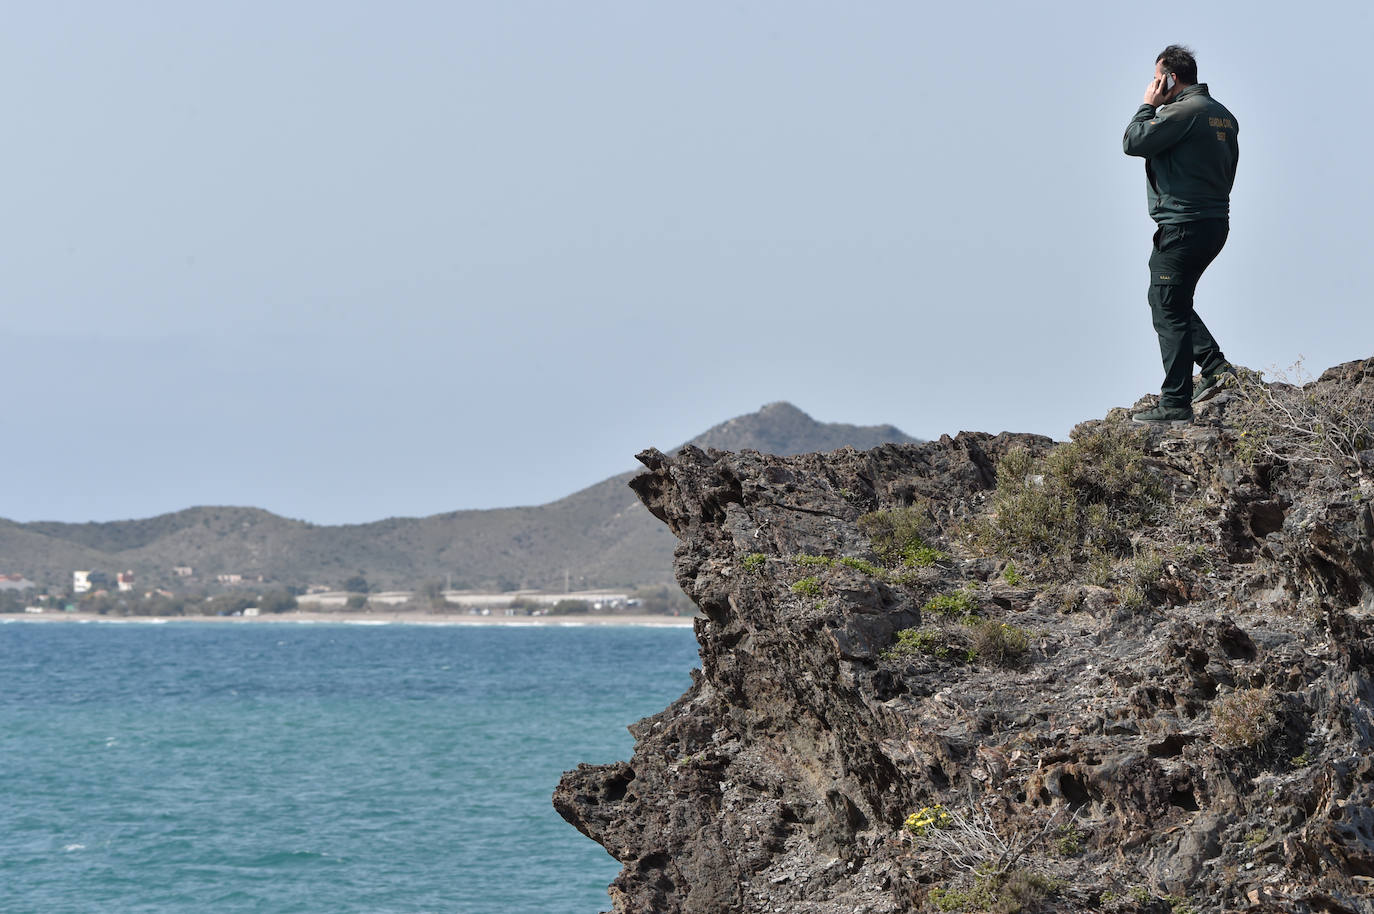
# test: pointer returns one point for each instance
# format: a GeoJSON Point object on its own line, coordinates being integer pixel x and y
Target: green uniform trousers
{"type": "Point", "coordinates": [1181, 252]}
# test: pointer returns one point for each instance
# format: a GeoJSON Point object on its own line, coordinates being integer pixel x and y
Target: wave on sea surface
{"type": "Point", "coordinates": [248, 767]}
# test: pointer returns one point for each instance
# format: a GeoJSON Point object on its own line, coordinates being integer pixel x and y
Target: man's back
{"type": "Point", "coordinates": [1191, 153]}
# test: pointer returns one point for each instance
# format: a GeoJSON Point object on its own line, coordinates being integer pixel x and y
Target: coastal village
{"type": "Point", "coordinates": [90, 591]}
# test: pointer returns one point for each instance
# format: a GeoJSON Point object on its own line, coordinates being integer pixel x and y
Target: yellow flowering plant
{"type": "Point", "coordinates": [926, 818]}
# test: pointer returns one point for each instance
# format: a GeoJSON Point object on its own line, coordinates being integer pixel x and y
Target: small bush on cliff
{"type": "Point", "coordinates": [965, 838]}
{"type": "Point", "coordinates": [927, 818]}
{"type": "Point", "coordinates": [1009, 893]}
{"type": "Point", "coordinates": [931, 641]}
{"type": "Point", "coordinates": [1030, 519]}
{"type": "Point", "coordinates": [1147, 568]}
{"type": "Point", "coordinates": [808, 587]}
{"type": "Point", "coordinates": [860, 565]}
{"type": "Point", "coordinates": [1297, 420]}
{"type": "Point", "coordinates": [1245, 719]}
{"type": "Point", "coordinates": [1141, 577]}
{"type": "Point", "coordinates": [1083, 498]}
{"type": "Point", "coordinates": [1101, 569]}
{"type": "Point", "coordinates": [1069, 842]}
{"type": "Point", "coordinates": [754, 561]}
{"type": "Point", "coordinates": [1000, 643]}
{"type": "Point", "coordinates": [1107, 467]}
{"type": "Point", "coordinates": [960, 634]}
{"type": "Point", "coordinates": [957, 603]}
{"type": "Point", "coordinates": [1131, 597]}
{"type": "Point", "coordinates": [968, 840]}
{"type": "Point", "coordinates": [972, 640]}
{"type": "Point", "coordinates": [863, 567]}
{"type": "Point", "coordinates": [898, 536]}
{"type": "Point", "coordinates": [922, 556]}
{"type": "Point", "coordinates": [1178, 905]}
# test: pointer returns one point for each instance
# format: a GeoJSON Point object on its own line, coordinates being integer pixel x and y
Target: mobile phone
{"type": "Point", "coordinates": [1168, 82]}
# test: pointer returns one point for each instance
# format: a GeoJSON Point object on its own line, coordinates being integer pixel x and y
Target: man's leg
{"type": "Point", "coordinates": [1172, 310]}
{"type": "Point", "coordinates": [1206, 239]}
{"type": "Point", "coordinates": [1206, 353]}
{"type": "Point", "coordinates": [1181, 253]}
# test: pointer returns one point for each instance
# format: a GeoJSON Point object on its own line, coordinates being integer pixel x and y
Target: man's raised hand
{"type": "Point", "coordinates": [1154, 92]}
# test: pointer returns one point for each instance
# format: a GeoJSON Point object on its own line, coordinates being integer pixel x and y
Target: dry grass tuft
{"type": "Point", "coordinates": [1245, 719]}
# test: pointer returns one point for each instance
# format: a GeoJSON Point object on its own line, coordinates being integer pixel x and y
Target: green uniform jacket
{"type": "Point", "coordinates": [1190, 152]}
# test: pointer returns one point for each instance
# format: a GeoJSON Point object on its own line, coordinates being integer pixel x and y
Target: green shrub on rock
{"type": "Point", "coordinates": [863, 567]}
{"type": "Point", "coordinates": [1069, 842]}
{"type": "Point", "coordinates": [929, 641]}
{"type": "Point", "coordinates": [1083, 498]}
{"type": "Point", "coordinates": [1000, 643]}
{"type": "Point", "coordinates": [958, 603]}
{"type": "Point", "coordinates": [1003, 893]}
{"type": "Point", "coordinates": [898, 536]}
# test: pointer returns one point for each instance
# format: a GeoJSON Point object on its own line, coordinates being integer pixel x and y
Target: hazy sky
{"type": "Point", "coordinates": [346, 260]}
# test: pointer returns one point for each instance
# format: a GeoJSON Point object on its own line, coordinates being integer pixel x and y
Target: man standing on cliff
{"type": "Point", "coordinates": [1188, 141]}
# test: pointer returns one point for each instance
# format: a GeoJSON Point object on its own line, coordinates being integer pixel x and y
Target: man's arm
{"type": "Point", "coordinates": [1152, 131]}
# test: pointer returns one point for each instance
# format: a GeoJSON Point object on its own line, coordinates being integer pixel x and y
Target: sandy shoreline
{"type": "Point", "coordinates": [368, 618]}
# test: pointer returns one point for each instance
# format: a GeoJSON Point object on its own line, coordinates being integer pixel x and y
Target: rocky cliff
{"type": "Point", "coordinates": [1130, 672]}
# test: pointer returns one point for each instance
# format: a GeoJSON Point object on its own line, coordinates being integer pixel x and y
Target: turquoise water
{"type": "Point", "coordinates": [190, 767]}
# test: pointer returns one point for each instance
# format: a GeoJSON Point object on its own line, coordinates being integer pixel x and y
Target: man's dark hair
{"type": "Point", "coordinates": [1179, 61]}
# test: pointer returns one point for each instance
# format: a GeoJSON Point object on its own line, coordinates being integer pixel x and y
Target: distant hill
{"type": "Point", "coordinates": [780, 428]}
{"type": "Point", "coordinates": [598, 537]}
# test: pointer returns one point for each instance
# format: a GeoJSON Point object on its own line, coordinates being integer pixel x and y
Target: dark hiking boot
{"type": "Point", "coordinates": [1213, 384]}
{"type": "Point", "coordinates": [1170, 416]}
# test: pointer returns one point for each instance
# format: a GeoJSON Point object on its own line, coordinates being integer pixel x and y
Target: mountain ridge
{"type": "Point", "coordinates": [597, 536]}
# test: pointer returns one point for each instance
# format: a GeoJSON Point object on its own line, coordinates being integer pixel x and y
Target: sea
{"type": "Point", "coordinates": [187, 766]}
